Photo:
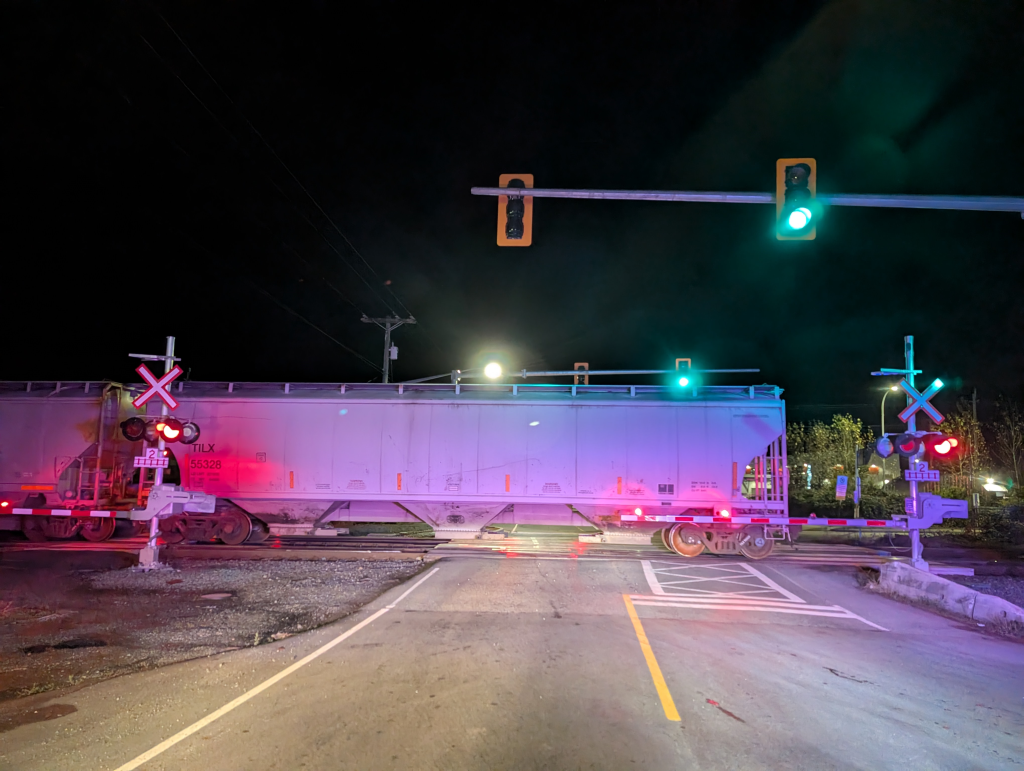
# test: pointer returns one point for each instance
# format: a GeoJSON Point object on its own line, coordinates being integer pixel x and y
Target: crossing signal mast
{"type": "Point", "coordinates": [922, 509]}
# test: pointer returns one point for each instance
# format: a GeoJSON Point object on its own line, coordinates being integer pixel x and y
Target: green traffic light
{"type": "Point", "coordinates": [799, 218]}
{"type": "Point", "coordinates": [684, 381]}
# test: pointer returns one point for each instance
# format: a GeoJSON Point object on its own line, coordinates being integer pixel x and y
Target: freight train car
{"type": "Point", "coordinates": [457, 457]}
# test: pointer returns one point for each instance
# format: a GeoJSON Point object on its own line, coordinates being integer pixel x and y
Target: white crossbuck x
{"type": "Point", "coordinates": [920, 400]}
{"type": "Point", "coordinates": [157, 387]}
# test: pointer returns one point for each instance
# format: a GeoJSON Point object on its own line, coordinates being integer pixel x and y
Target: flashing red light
{"type": "Point", "coordinates": [953, 442]}
{"type": "Point", "coordinates": [638, 511]}
{"type": "Point", "coordinates": [942, 448]}
{"type": "Point", "coordinates": [170, 429]}
{"type": "Point", "coordinates": [4, 504]}
{"type": "Point", "coordinates": [724, 513]}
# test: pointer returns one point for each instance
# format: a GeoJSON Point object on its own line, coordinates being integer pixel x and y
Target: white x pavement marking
{"type": "Point", "coordinates": [157, 387]}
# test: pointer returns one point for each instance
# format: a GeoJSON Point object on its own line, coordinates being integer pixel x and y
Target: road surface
{"type": "Point", "coordinates": [561, 662]}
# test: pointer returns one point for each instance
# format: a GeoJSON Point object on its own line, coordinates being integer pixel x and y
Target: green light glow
{"type": "Point", "coordinates": [799, 218]}
{"type": "Point", "coordinates": [938, 383]}
{"type": "Point", "coordinates": [684, 381]}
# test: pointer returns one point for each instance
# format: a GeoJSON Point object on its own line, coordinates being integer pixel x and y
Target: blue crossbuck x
{"type": "Point", "coordinates": [920, 400]}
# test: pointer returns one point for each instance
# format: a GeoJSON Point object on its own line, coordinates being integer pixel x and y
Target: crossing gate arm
{"type": "Point", "coordinates": [813, 521]}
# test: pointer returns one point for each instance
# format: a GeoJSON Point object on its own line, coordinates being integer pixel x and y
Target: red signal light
{"type": "Point", "coordinates": [943, 447]}
{"type": "Point", "coordinates": [170, 429]}
{"type": "Point", "coordinates": [4, 504]}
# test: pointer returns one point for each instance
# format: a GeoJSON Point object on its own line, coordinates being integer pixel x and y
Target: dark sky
{"type": "Point", "coordinates": [142, 200]}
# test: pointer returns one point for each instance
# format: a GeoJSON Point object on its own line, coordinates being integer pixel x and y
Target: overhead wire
{"type": "Point", "coordinates": [283, 164]}
{"type": "Point", "coordinates": [277, 187]}
{"type": "Point", "coordinates": [290, 310]}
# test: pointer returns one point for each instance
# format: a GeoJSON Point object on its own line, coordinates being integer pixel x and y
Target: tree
{"type": "Point", "coordinates": [829, 448]}
{"type": "Point", "coordinates": [971, 456]}
{"type": "Point", "coordinates": [1008, 437]}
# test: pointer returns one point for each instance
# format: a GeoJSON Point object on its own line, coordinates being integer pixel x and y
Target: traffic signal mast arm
{"type": "Point", "coordinates": [948, 202]}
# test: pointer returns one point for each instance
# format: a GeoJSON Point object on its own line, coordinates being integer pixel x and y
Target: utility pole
{"type": "Point", "coordinates": [387, 324]}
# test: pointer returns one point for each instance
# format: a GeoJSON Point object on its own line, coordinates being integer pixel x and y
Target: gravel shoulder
{"type": "Point", "coordinates": [67, 625]}
{"type": "Point", "coordinates": [1009, 588]}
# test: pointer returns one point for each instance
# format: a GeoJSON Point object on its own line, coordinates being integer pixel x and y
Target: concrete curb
{"type": "Point", "coordinates": [904, 581]}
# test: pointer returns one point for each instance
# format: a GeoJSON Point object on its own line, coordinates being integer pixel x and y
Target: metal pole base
{"type": "Point", "coordinates": [149, 559]}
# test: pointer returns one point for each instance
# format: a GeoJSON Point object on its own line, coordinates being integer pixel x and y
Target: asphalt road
{"type": "Point", "coordinates": [537, 663]}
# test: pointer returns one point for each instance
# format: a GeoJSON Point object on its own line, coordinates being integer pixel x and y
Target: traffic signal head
{"type": "Point", "coordinates": [515, 212]}
{"type": "Point", "coordinates": [884, 447]}
{"type": "Point", "coordinates": [134, 429]}
{"type": "Point", "coordinates": [796, 211]}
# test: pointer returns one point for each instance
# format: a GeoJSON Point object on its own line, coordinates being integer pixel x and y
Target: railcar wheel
{"type": "Point", "coordinates": [686, 540]}
{"type": "Point", "coordinates": [665, 539]}
{"type": "Point", "coordinates": [260, 532]}
{"type": "Point", "coordinates": [172, 530]}
{"type": "Point", "coordinates": [758, 545]}
{"type": "Point", "coordinates": [97, 529]}
{"type": "Point", "coordinates": [234, 528]}
{"type": "Point", "coordinates": [33, 530]}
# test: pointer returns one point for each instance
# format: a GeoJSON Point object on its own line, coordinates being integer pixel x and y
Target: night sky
{"type": "Point", "coordinates": [158, 157]}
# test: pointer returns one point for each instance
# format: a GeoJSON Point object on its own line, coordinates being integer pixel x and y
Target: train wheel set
{"type": "Point", "coordinates": [690, 540]}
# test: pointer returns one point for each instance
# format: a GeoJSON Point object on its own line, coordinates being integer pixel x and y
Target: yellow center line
{"type": "Point", "coordinates": [652, 664]}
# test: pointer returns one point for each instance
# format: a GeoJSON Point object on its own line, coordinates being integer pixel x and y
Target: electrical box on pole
{"type": "Point", "coordinates": [796, 210]}
{"type": "Point", "coordinates": [515, 212]}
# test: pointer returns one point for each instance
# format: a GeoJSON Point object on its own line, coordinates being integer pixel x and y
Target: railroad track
{"type": "Point", "coordinates": [279, 544]}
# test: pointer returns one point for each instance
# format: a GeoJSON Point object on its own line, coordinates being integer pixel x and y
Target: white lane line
{"type": "Point", "coordinates": [203, 722]}
{"type": "Point", "coordinates": [772, 584]}
{"type": "Point", "coordinates": [652, 579]}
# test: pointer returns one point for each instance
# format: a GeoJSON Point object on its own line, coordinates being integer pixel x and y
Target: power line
{"type": "Point", "coordinates": [279, 160]}
{"type": "Point", "coordinates": [293, 312]}
{"type": "Point", "coordinates": [272, 182]}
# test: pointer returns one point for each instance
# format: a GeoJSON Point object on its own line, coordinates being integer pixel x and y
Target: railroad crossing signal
{"type": "Point", "coordinates": [169, 429]}
{"type": "Point", "coordinates": [796, 211]}
{"type": "Point", "coordinates": [920, 401]}
{"type": "Point", "coordinates": [515, 212]}
{"type": "Point", "coordinates": [157, 387]}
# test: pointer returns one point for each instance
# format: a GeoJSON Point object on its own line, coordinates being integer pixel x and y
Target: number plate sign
{"type": "Point", "coordinates": [152, 459]}
{"type": "Point", "coordinates": [928, 475]}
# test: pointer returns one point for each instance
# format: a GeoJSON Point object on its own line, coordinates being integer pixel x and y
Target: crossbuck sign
{"type": "Point", "coordinates": [158, 387]}
{"type": "Point", "coordinates": [919, 401]}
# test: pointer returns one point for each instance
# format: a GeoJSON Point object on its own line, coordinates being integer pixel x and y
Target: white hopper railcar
{"type": "Point", "coordinates": [457, 457]}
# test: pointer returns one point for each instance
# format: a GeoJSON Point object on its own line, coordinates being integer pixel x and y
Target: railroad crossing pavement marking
{"type": "Point", "coordinates": [742, 581]}
{"type": "Point", "coordinates": [746, 589]}
{"type": "Point", "coordinates": [660, 685]}
{"type": "Point", "coordinates": [203, 722]}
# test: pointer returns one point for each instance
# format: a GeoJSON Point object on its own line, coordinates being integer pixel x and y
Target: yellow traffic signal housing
{"type": "Point", "coordinates": [796, 212]}
{"type": "Point", "coordinates": [515, 213]}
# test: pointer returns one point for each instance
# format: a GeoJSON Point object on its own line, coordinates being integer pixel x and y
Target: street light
{"type": "Point", "coordinates": [493, 370]}
{"type": "Point", "coordinates": [888, 391]}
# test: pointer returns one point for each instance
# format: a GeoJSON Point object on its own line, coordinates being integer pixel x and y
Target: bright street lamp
{"type": "Point", "coordinates": [493, 370]}
{"type": "Point", "coordinates": [888, 391]}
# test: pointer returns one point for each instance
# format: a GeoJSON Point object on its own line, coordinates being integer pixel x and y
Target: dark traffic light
{"type": "Point", "coordinates": [515, 212]}
{"type": "Point", "coordinates": [796, 211]}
